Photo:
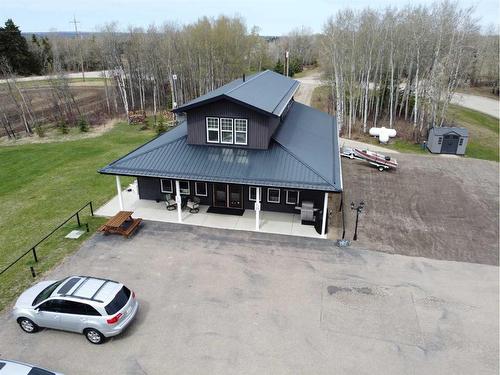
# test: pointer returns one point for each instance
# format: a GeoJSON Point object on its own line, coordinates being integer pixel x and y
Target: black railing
{"type": "Point", "coordinates": [33, 248]}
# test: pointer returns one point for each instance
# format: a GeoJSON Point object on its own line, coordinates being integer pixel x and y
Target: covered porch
{"type": "Point", "coordinates": [251, 220]}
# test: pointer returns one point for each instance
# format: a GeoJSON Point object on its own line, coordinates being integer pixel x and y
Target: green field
{"type": "Point", "coordinates": [42, 184]}
{"type": "Point", "coordinates": [483, 129]}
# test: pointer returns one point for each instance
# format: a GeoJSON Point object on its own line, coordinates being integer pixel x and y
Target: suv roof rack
{"type": "Point", "coordinates": [85, 279]}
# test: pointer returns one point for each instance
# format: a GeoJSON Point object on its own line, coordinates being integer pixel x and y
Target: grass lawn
{"type": "Point", "coordinates": [42, 184]}
{"type": "Point", "coordinates": [483, 132]}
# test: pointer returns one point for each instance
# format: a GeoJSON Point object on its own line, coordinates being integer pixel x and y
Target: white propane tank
{"type": "Point", "coordinates": [383, 133]}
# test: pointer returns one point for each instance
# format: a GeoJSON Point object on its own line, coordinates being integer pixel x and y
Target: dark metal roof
{"type": "Point", "coordinates": [267, 91]}
{"type": "Point", "coordinates": [442, 130]}
{"type": "Point", "coordinates": [303, 154]}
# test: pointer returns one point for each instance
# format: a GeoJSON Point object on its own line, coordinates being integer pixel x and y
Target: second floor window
{"type": "Point", "coordinates": [227, 130]}
{"type": "Point", "coordinates": [212, 130]}
{"type": "Point", "coordinates": [240, 131]}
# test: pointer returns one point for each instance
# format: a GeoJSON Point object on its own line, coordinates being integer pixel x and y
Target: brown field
{"type": "Point", "coordinates": [90, 100]}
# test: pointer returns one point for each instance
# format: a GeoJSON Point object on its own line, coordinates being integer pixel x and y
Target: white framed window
{"type": "Point", "coordinates": [461, 142]}
{"type": "Point", "coordinates": [273, 195]}
{"type": "Point", "coordinates": [292, 197]}
{"type": "Point", "coordinates": [166, 186]}
{"type": "Point", "coordinates": [184, 188]}
{"type": "Point", "coordinates": [200, 189]}
{"type": "Point", "coordinates": [212, 129]}
{"type": "Point", "coordinates": [226, 130]}
{"type": "Point", "coordinates": [252, 193]}
{"type": "Point", "coordinates": [440, 140]}
{"type": "Point", "coordinates": [240, 131]}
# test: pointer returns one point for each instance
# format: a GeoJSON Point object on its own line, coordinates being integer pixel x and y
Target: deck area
{"type": "Point", "coordinates": [270, 222]}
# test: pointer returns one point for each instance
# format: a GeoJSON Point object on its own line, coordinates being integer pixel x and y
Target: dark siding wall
{"type": "Point", "coordinates": [149, 188]}
{"type": "Point", "coordinates": [259, 130]}
{"type": "Point", "coordinates": [305, 195]}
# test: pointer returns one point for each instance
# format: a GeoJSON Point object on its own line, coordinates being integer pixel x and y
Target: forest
{"type": "Point", "coordinates": [404, 65]}
{"type": "Point", "coordinates": [382, 67]}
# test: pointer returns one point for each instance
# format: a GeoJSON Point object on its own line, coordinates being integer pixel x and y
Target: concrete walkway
{"type": "Point", "coordinates": [270, 222]}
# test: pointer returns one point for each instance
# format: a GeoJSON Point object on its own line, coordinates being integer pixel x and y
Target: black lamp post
{"type": "Point", "coordinates": [358, 209]}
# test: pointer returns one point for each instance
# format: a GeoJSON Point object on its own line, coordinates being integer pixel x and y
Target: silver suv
{"type": "Point", "coordinates": [98, 308]}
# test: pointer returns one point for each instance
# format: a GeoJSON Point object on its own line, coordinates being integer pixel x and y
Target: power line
{"type": "Point", "coordinates": [75, 22]}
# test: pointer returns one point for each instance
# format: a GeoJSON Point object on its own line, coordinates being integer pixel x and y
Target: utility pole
{"type": "Point", "coordinates": [75, 22]}
{"type": "Point", "coordinates": [287, 64]}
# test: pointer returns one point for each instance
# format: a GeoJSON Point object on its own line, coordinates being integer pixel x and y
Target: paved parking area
{"type": "Point", "coordinates": [215, 301]}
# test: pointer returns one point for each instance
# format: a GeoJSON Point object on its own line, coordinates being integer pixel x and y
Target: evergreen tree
{"type": "Point", "coordinates": [14, 48]}
{"type": "Point", "coordinates": [279, 67]}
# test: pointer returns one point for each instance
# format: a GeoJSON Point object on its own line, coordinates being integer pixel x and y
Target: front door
{"type": "Point", "coordinates": [450, 144]}
{"type": "Point", "coordinates": [235, 196]}
{"type": "Point", "coordinates": [229, 196]}
{"type": "Point", "coordinates": [220, 195]}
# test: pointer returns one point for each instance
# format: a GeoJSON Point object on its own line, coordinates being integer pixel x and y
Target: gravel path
{"type": "Point", "coordinates": [478, 103]}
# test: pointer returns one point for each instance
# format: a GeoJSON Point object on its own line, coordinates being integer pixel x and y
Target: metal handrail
{"type": "Point", "coordinates": [33, 248]}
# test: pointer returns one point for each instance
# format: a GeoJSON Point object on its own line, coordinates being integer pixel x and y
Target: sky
{"type": "Point", "coordinates": [273, 17]}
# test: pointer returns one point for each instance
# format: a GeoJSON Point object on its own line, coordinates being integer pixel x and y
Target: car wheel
{"type": "Point", "coordinates": [27, 325]}
{"type": "Point", "coordinates": [94, 336]}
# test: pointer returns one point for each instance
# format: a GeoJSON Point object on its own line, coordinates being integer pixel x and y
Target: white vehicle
{"type": "Point", "coordinates": [18, 368]}
{"type": "Point", "coordinates": [97, 308]}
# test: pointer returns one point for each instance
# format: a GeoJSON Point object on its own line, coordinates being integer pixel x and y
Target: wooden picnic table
{"type": "Point", "coordinates": [122, 223]}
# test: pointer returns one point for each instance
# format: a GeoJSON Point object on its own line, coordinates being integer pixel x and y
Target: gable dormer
{"type": "Point", "coordinates": [245, 113]}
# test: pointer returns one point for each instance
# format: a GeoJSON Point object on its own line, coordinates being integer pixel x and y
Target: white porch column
{"type": "Point", "coordinates": [257, 209]}
{"type": "Point", "coordinates": [325, 210]}
{"type": "Point", "coordinates": [178, 200]}
{"type": "Point", "coordinates": [119, 189]}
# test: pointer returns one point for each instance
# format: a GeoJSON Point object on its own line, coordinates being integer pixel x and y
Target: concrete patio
{"type": "Point", "coordinates": [270, 222]}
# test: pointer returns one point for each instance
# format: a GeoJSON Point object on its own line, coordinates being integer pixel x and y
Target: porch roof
{"type": "Point", "coordinates": [303, 154]}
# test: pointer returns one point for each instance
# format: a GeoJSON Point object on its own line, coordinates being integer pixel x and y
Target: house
{"type": "Point", "coordinates": [244, 146]}
{"type": "Point", "coordinates": [447, 140]}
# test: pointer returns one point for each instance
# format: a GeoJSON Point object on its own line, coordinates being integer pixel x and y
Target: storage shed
{"type": "Point", "coordinates": [447, 140]}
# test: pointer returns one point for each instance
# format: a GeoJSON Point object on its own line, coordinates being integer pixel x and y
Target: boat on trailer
{"type": "Point", "coordinates": [382, 162]}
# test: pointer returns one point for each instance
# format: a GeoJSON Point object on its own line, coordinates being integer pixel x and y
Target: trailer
{"type": "Point", "coordinates": [382, 162]}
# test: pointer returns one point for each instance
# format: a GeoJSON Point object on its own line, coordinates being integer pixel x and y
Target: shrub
{"type": "Point", "coordinates": [63, 127]}
{"type": "Point", "coordinates": [161, 128]}
{"type": "Point", "coordinates": [39, 130]}
{"type": "Point", "coordinates": [83, 125]}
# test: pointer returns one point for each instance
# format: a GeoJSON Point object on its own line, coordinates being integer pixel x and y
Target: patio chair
{"type": "Point", "coordinates": [194, 205]}
{"type": "Point", "coordinates": [170, 202]}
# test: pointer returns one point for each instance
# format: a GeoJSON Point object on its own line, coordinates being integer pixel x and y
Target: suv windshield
{"type": "Point", "coordinates": [46, 292]}
{"type": "Point", "coordinates": [119, 301]}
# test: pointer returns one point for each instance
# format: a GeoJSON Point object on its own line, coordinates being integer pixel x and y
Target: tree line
{"type": "Point", "coordinates": [383, 66]}
{"type": "Point", "coordinates": [403, 64]}
{"type": "Point", "coordinates": [152, 68]}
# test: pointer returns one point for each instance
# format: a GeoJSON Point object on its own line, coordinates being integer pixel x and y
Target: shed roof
{"type": "Point", "coordinates": [303, 154]}
{"type": "Point", "coordinates": [267, 91]}
{"type": "Point", "coordinates": [442, 130]}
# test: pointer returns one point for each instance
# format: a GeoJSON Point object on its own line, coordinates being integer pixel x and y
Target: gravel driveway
{"type": "Point", "coordinates": [478, 103]}
{"type": "Point", "coordinates": [435, 206]}
{"type": "Point", "coordinates": [233, 302]}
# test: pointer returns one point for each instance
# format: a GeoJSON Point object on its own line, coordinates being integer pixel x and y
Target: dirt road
{"type": "Point", "coordinates": [306, 88]}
